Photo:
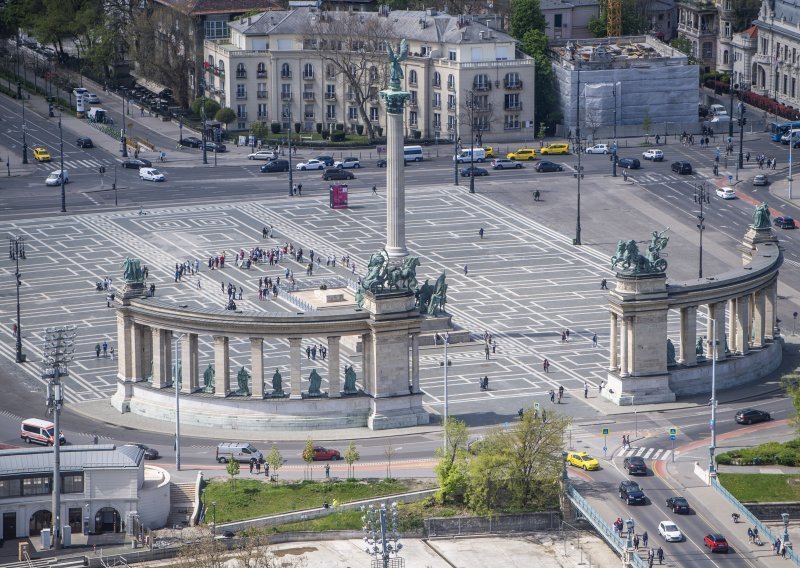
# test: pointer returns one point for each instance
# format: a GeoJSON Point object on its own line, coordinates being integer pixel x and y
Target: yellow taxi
{"type": "Point", "coordinates": [41, 155]}
{"type": "Point", "coordinates": [583, 460]}
{"type": "Point", "coordinates": [559, 148]}
{"type": "Point", "coordinates": [489, 152]}
{"type": "Point", "coordinates": [522, 154]}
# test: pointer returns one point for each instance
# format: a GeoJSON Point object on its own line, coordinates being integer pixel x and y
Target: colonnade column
{"type": "Point", "coordinates": [222, 371]}
{"type": "Point", "coordinates": [295, 376]}
{"type": "Point", "coordinates": [159, 357]}
{"type": "Point", "coordinates": [733, 339]}
{"type": "Point", "coordinates": [147, 352]}
{"type": "Point", "coordinates": [771, 308]}
{"type": "Point", "coordinates": [125, 351]}
{"type": "Point", "coordinates": [613, 356]}
{"type": "Point", "coordinates": [190, 363]}
{"type": "Point", "coordinates": [415, 363]}
{"type": "Point", "coordinates": [334, 372]}
{"type": "Point", "coordinates": [623, 348]}
{"type": "Point", "coordinates": [257, 366]}
{"type": "Point", "coordinates": [716, 311]}
{"type": "Point", "coordinates": [688, 341]}
{"type": "Point", "coordinates": [758, 318]}
{"type": "Point", "coordinates": [368, 375]}
{"type": "Point", "coordinates": [137, 352]}
{"type": "Point", "coordinates": [743, 324]}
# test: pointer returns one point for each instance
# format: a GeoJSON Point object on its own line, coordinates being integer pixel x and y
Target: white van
{"type": "Point", "coordinates": [471, 155]}
{"type": "Point", "coordinates": [792, 135]}
{"type": "Point", "coordinates": [240, 451]}
{"type": "Point", "coordinates": [413, 153]}
{"type": "Point", "coordinates": [38, 431]}
{"type": "Point", "coordinates": [55, 177]}
{"type": "Point", "coordinates": [717, 110]}
{"type": "Point", "coordinates": [96, 114]}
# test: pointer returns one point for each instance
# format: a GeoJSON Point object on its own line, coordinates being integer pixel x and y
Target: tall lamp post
{"type": "Point", "coordinates": [740, 162]}
{"type": "Point", "coordinates": [175, 380]}
{"type": "Point", "coordinates": [24, 141]}
{"type": "Point", "coordinates": [57, 352]}
{"type": "Point", "coordinates": [702, 197]}
{"type": "Point", "coordinates": [287, 114]}
{"type": "Point", "coordinates": [63, 177]}
{"type": "Point", "coordinates": [471, 107]}
{"type": "Point", "coordinates": [16, 251]}
{"type": "Point", "coordinates": [579, 174]}
{"type": "Point", "coordinates": [123, 134]}
{"type": "Point", "coordinates": [712, 448]}
{"type": "Point", "coordinates": [456, 140]}
{"type": "Point", "coordinates": [381, 532]}
{"type": "Point", "coordinates": [203, 137]}
{"type": "Point", "coordinates": [444, 421]}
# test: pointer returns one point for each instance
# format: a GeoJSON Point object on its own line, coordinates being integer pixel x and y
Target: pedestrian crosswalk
{"type": "Point", "coordinates": [646, 453]}
{"type": "Point", "coordinates": [92, 164]}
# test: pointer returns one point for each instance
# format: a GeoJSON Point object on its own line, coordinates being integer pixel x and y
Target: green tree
{"type": "Point", "coordinates": [526, 16]}
{"type": "Point", "coordinates": [634, 20]}
{"type": "Point", "coordinates": [233, 470]}
{"type": "Point", "coordinates": [791, 384]}
{"type": "Point", "coordinates": [275, 460]}
{"type": "Point", "coordinates": [259, 130]}
{"type": "Point", "coordinates": [647, 124]}
{"type": "Point", "coordinates": [308, 455]}
{"type": "Point", "coordinates": [351, 456]}
{"type": "Point", "coordinates": [212, 107]}
{"type": "Point", "coordinates": [225, 116]}
{"type": "Point", "coordinates": [682, 44]}
{"type": "Point", "coordinates": [535, 44]}
{"type": "Point", "coordinates": [452, 467]}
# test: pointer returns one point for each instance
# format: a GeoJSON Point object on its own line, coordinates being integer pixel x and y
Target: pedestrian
{"type": "Point", "coordinates": [603, 284]}
{"type": "Point", "coordinates": [644, 538]}
{"type": "Point", "coordinates": [600, 387]}
{"type": "Point", "coordinates": [594, 340]}
{"type": "Point", "coordinates": [480, 232]}
{"type": "Point", "coordinates": [567, 332]}
{"type": "Point", "coordinates": [776, 546]}
{"type": "Point", "coordinates": [264, 233]}
{"type": "Point", "coordinates": [636, 542]}
{"type": "Point", "coordinates": [223, 286]}
{"type": "Point", "coordinates": [494, 347]}
{"type": "Point", "coordinates": [624, 175]}
{"type": "Point", "coordinates": [585, 390]}
{"type": "Point", "coordinates": [374, 190]}
{"type": "Point", "coordinates": [308, 352]}
{"type": "Point", "coordinates": [487, 351]}
{"type": "Point", "coordinates": [258, 465]}
{"type": "Point", "coordinates": [563, 337]}
{"type": "Point", "coordinates": [624, 442]}
{"type": "Point", "coordinates": [552, 396]}
{"type": "Point", "coordinates": [545, 367]}
{"type": "Point", "coordinates": [299, 189]}
{"type": "Point", "coordinates": [544, 416]}
{"type": "Point", "coordinates": [466, 270]}
{"type": "Point", "coordinates": [252, 465]}
{"type": "Point", "coordinates": [266, 469]}
{"type": "Point", "coordinates": [536, 195]}
{"type": "Point", "coordinates": [198, 284]}
{"type": "Point", "coordinates": [105, 349]}
{"type": "Point", "coordinates": [111, 352]}
{"type": "Point", "coordinates": [97, 350]}
{"type": "Point", "coordinates": [327, 471]}
{"type": "Point", "coordinates": [783, 551]}
{"type": "Point", "coordinates": [658, 139]}
{"type": "Point", "coordinates": [660, 555]}
{"type": "Point", "coordinates": [241, 291]}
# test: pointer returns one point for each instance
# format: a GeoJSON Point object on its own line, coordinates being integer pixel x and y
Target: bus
{"type": "Point", "coordinates": [778, 129]}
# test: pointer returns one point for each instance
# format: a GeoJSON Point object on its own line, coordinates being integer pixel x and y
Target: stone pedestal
{"type": "Point", "coordinates": [752, 239]}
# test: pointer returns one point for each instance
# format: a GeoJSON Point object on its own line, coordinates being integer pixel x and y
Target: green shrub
{"type": "Point", "coordinates": [724, 459]}
{"type": "Point", "coordinates": [319, 128]}
{"type": "Point", "coordinates": [770, 453]}
{"type": "Point", "coordinates": [275, 127]}
{"type": "Point", "coordinates": [297, 127]}
{"type": "Point", "coordinates": [337, 136]}
{"type": "Point", "coordinates": [360, 129]}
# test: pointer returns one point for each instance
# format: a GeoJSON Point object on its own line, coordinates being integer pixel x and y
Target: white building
{"type": "Point", "coordinates": [776, 66]}
{"type": "Point", "coordinates": [744, 47]}
{"type": "Point", "coordinates": [569, 18]}
{"type": "Point", "coordinates": [273, 67]}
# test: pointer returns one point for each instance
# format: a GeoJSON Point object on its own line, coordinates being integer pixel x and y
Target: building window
{"type": "Point", "coordinates": [425, 51]}
{"type": "Point", "coordinates": [412, 77]}
{"type": "Point", "coordinates": [286, 92]}
{"type": "Point", "coordinates": [413, 98]}
{"type": "Point", "coordinates": [261, 90]}
{"type": "Point", "coordinates": [373, 74]}
{"type": "Point", "coordinates": [512, 102]}
{"type": "Point", "coordinates": [286, 71]}
{"type": "Point", "coordinates": [330, 112]}
{"type": "Point", "coordinates": [241, 111]}
{"type": "Point", "coordinates": [262, 111]}
{"type": "Point", "coordinates": [725, 57]}
{"type": "Point", "coordinates": [437, 121]}
{"type": "Point", "coordinates": [794, 84]}
{"type": "Point", "coordinates": [708, 50]}
{"type": "Point", "coordinates": [352, 113]}
{"type": "Point", "coordinates": [308, 113]}
{"type": "Point", "coordinates": [511, 122]}
{"type": "Point", "coordinates": [35, 486]}
{"type": "Point", "coordinates": [785, 83]}
{"type": "Point", "coordinates": [437, 79]}
{"type": "Point", "coordinates": [451, 102]}
{"type": "Point", "coordinates": [261, 71]}
{"type": "Point", "coordinates": [557, 21]}
{"type": "Point", "coordinates": [512, 81]}
{"type": "Point", "coordinates": [451, 123]}
{"type": "Point", "coordinates": [452, 55]}
{"type": "Point", "coordinates": [241, 91]}
{"type": "Point", "coordinates": [451, 82]}
{"type": "Point", "coordinates": [727, 29]}
{"type": "Point", "coordinates": [373, 114]}
{"type": "Point", "coordinates": [437, 100]}
{"type": "Point", "coordinates": [330, 92]}
{"type": "Point", "coordinates": [764, 46]}
{"type": "Point", "coordinates": [308, 71]}
{"type": "Point", "coordinates": [72, 483]}
{"type": "Point", "coordinates": [10, 488]}
{"type": "Point", "coordinates": [330, 71]}
{"type": "Point", "coordinates": [412, 118]}
{"type": "Point", "coordinates": [241, 72]}
{"type": "Point", "coordinates": [481, 83]}
{"type": "Point", "coordinates": [215, 29]}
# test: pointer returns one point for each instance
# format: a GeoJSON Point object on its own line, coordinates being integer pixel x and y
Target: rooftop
{"type": "Point", "coordinates": [204, 7]}
{"type": "Point", "coordinates": [561, 4]}
{"type": "Point", "coordinates": [73, 458]}
{"type": "Point", "coordinates": [613, 52]}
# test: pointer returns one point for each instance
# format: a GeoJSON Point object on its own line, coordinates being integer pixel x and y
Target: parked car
{"type": "Point", "coordinates": [583, 461]}
{"type": "Point", "coordinates": [85, 142]}
{"type": "Point", "coordinates": [337, 174]}
{"type": "Point", "coordinates": [716, 542]}
{"type": "Point", "coordinates": [653, 154]}
{"type": "Point", "coordinates": [522, 154]}
{"type": "Point", "coordinates": [149, 453]}
{"type": "Point", "coordinates": [489, 151]}
{"type": "Point", "coordinates": [631, 493]}
{"type": "Point", "coordinates": [669, 531]}
{"type": "Point", "coordinates": [262, 155]}
{"type": "Point", "coordinates": [382, 163]}
{"type": "Point", "coordinates": [349, 162]}
{"type": "Point", "coordinates": [321, 453]}
{"type": "Point", "coordinates": [752, 415]}
{"type": "Point", "coordinates": [215, 147]}
{"type": "Point", "coordinates": [546, 166]}
{"type": "Point", "coordinates": [598, 149]}
{"type": "Point", "coordinates": [191, 141]}
{"type": "Point", "coordinates": [312, 164]}
{"type": "Point", "coordinates": [136, 163]}
{"type": "Point", "coordinates": [151, 174]}
{"type": "Point", "coordinates": [725, 192]}
{"type": "Point", "coordinates": [678, 504]}
{"type": "Point", "coordinates": [681, 167]}
{"type": "Point", "coordinates": [629, 163]}
{"type": "Point", "coordinates": [504, 163]}
{"type": "Point", "coordinates": [783, 222]}
{"type": "Point", "coordinates": [275, 166]}
{"type": "Point", "coordinates": [760, 179]}
{"type": "Point", "coordinates": [559, 148]}
{"type": "Point", "coordinates": [327, 160]}
{"type": "Point", "coordinates": [635, 465]}
{"type": "Point", "coordinates": [41, 155]}
{"type": "Point", "coordinates": [474, 171]}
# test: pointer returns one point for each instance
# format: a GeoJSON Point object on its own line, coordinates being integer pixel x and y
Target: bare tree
{"type": "Point", "coordinates": [592, 121]}
{"type": "Point", "coordinates": [389, 451]}
{"type": "Point", "coordinates": [204, 552]}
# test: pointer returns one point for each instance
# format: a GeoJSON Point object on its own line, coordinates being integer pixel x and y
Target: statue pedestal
{"type": "Point", "coordinates": [131, 290]}
{"type": "Point", "coordinates": [754, 237]}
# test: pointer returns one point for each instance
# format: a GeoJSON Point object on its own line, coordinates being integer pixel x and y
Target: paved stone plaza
{"type": "Point", "coordinates": [526, 284]}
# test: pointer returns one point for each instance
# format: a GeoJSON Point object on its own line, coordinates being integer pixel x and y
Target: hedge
{"type": "Point", "coordinates": [771, 453]}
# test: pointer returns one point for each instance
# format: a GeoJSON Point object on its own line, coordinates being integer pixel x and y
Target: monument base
{"type": "Point", "coordinates": [121, 400]}
{"type": "Point", "coordinates": [627, 391]}
{"type": "Point", "coordinates": [752, 238]}
{"type": "Point", "coordinates": [397, 412]}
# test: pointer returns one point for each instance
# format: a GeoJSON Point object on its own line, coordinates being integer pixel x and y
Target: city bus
{"type": "Point", "coordinates": [778, 129]}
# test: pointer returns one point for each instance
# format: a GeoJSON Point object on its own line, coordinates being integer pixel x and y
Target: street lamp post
{"type": "Point", "coordinates": [124, 137]}
{"type": "Point", "coordinates": [287, 114]}
{"type": "Point", "coordinates": [63, 177]}
{"type": "Point", "coordinates": [214, 518]}
{"type": "Point", "coordinates": [471, 107]}
{"type": "Point", "coordinates": [701, 196]}
{"type": "Point", "coordinates": [712, 466]}
{"type": "Point", "coordinates": [456, 140]}
{"type": "Point", "coordinates": [16, 251]}
{"type": "Point", "coordinates": [579, 174]}
{"type": "Point", "coordinates": [785, 542]}
{"type": "Point", "coordinates": [24, 141]}
{"type": "Point", "coordinates": [381, 532]}
{"type": "Point", "coordinates": [203, 137]}
{"type": "Point", "coordinates": [444, 421]}
{"type": "Point", "coordinates": [175, 380]}
{"type": "Point", "coordinates": [733, 89]}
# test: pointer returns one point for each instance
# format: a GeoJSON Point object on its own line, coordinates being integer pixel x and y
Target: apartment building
{"type": "Point", "coordinates": [775, 67]}
{"type": "Point", "coordinates": [276, 67]}
{"type": "Point", "coordinates": [569, 18]}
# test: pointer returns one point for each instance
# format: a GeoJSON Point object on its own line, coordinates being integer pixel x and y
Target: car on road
{"type": "Point", "coordinates": [474, 171]}
{"type": "Point", "coordinates": [583, 461]}
{"type": "Point", "coordinates": [546, 166]}
{"type": "Point", "coordinates": [312, 164]}
{"type": "Point", "coordinates": [760, 179]}
{"type": "Point", "coordinates": [349, 162]}
{"type": "Point", "coordinates": [149, 453]}
{"type": "Point", "coordinates": [631, 493]}
{"type": "Point", "coordinates": [559, 148]}
{"type": "Point", "coordinates": [716, 542]}
{"type": "Point", "coordinates": [635, 465]}
{"type": "Point", "coordinates": [629, 163]}
{"type": "Point", "coordinates": [262, 155]}
{"type": "Point", "coordinates": [725, 192]}
{"type": "Point", "coordinates": [505, 163]}
{"type": "Point", "coordinates": [41, 155]}
{"type": "Point", "coordinates": [321, 454]}
{"type": "Point", "coordinates": [327, 160]}
{"type": "Point", "coordinates": [681, 167]}
{"type": "Point", "coordinates": [136, 163]}
{"type": "Point", "coordinates": [783, 222]}
{"type": "Point", "coordinates": [669, 531]}
{"type": "Point", "coordinates": [598, 149]}
{"type": "Point", "coordinates": [382, 163]}
{"type": "Point", "coordinates": [678, 504]}
{"type": "Point", "coordinates": [56, 177]}
{"type": "Point", "coordinates": [215, 147]}
{"type": "Point", "coordinates": [91, 98]}
{"type": "Point", "coordinates": [489, 151]}
{"type": "Point", "coordinates": [85, 142]}
{"type": "Point", "coordinates": [151, 174]}
{"type": "Point", "coordinates": [653, 154]}
{"type": "Point", "coordinates": [522, 154]}
{"type": "Point", "coordinates": [275, 166]}
{"type": "Point", "coordinates": [751, 416]}
{"type": "Point", "coordinates": [191, 141]}
{"type": "Point", "coordinates": [337, 174]}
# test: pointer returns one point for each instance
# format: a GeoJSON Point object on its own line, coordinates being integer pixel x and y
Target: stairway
{"type": "Point", "coordinates": [181, 496]}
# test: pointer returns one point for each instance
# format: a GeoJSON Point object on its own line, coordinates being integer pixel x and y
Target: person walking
{"type": "Point", "coordinates": [466, 270]}
{"type": "Point", "coordinates": [552, 396]}
{"type": "Point", "coordinates": [111, 351]}
{"type": "Point", "coordinates": [644, 538]}
{"type": "Point", "coordinates": [594, 340]}
{"type": "Point", "coordinates": [258, 465]}
{"type": "Point", "coordinates": [480, 232]}
{"type": "Point", "coordinates": [327, 471]}
{"type": "Point", "coordinates": [563, 337]}
{"type": "Point", "coordinates": [252, 465]}
{"type": "Point", "coordinates": [603, 284]}
{"type": "Point", "coordinates": [486, 348]}
{"type": "Point", "coordinates": [545, 367]}
{"type": "Point", "coordinates": [636, 542]}
{"type": "Point", "coordinates": [97, 350]}
{"type": "Point", "coordinates": [585, 390]}
{"type": "Point", "coordinates": [536, 195]}
{"type": "Point", "coordinates": [375, 190]}
{"type": "Point", "coordinates": [105, 349]}
{"type": "Point", "coordinates": [660, 555]}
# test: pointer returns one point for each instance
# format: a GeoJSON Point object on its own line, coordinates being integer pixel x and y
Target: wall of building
{"type": "Point", "coordinates": [154, 498]}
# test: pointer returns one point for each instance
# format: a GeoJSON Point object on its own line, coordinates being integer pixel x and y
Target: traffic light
{"type": "Point", "coordinates": [102, 169]}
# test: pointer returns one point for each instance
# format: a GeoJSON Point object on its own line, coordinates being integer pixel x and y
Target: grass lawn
{"type": "Point", "coordinates": [756, 487]}
{"type": "Point", "coordinates": [250, 498]}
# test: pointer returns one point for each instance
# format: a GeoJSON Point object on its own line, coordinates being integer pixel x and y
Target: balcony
{"type": "Point", "coordinates": [482, 87]}
{"type": "Point", "coordinates": [511, 126]}
{"type": "Point", "coordinates": [437, 85]}
{"type": "Point", "coordinates": [261, 74]}
{"type": "Point", "coordinates": [451, 87]}
{"type": "Point", "coordinates": [330, 118]}
{"type": "Point", "coordinates": [512, 85]}
{"type": "Point", "coordinates": [412, 83]}
{"type": "Point", "coordinates": [308, 76]}
{"type": "Point", "coordinates": [286, 74]}
{"type": "Point", "coordinates": [351, 96]}
{"type": "Point", "coordinates": [308, 116]}
{"type": "Point", "coordinates": [412, 124]}
{"type": "Point", "coordinates": [330, 96]}
{"type": "Point", "coordinates": [451, 127]}
{"type": "Point", "coordinates": [437, 104]}
{"type": "Point", "coordinates": [309, 96]}
{"type": "Point", "coordinates": [286, 96]}
{"type": "Point", "coordinates": [513, 106]}
{"type": "Point", "coordinates": [241, 96]}
{"type": "Point", "coordinates": [261, 94]}
{"type": "Point", "coordinates": [242, 115]}
{"type": "Point", "coordinates": [451, 106]}
{"type": "Point", "coordinates": [241, 74]}
{"type": "Point", "coordinates": [262, 116]}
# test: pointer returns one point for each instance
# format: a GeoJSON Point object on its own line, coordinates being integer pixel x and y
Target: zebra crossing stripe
{"type": "Point", "coordinates": [654, 454]}
{"type": "Point", "coordinates": [647, 454]}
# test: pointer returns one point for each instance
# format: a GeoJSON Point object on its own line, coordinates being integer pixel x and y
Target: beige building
{"type": "Point", "coordinates": [569, 18]}
{"type": "Point", "coordinates": [776, 66]}
{"type": "Point", "coordinates": [744, 47]}
{"type": "Point", "coordinates": [275, 68]}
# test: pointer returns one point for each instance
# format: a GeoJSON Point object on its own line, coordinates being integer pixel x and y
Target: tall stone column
{"type": "Point", "coordinates": [415, 363]}
{"type": "Point", "coordinates": [733, 338]}
{"type": "Point", "coordinates": [147, 352]}
{"type": "Point", "coordinates": [624, 369]}
{"type": "Point", "coordinates": [716, 311]}
{"type": "Point", "coordinates": [613, 344]}
{"type": "Point", "coordinates": [771, 308]}
{"type": "Point", "coordinates": [169, 355]}
{"type": "Point", "coordinates": [257, 366]}
{"type": "Point", "coordinates": [295, 369]}
{"type": "Point", "coordinates": [137, 352]}
{"type": "Point", "coordinates": [190, 363]}
{"type": "Point", "coordinates": [688, 341]}
{"type": "Point", "coordinates": [125, 351]}
{"type": "Point", "coordinates": [759, 313]}
{"type": "Point", "coordinates": [743, 324]}
{"type": "Point", "coordinates": [367, 364]}
{"type": "Point", "coordinates": [222, 371]}
{"type": "Point", "coordinates": [334, 370]}
{"type": "Point", "coordinates": [394, 100]}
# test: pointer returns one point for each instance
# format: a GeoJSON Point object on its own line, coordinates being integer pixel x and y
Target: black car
{"type": "Point", "coordinates": [382, 163]}
{"type": "Point", "coordinates": [635, 465]}
{"type": "Point", "coordinates": [191, 141]}
{"type": "Point", "coordinates": [545, 166]}
{"type": "Point", "coordinates": [276, 166]}
{"type": "Point", "coordinates": [678, 504]}
{"type": "Point", "coordinates": [336, 174]}
{"type": "Point", "coordinates": [783, 222]}
{"type": "Point", "coordinates": [137, 163]}
{"type": "Point", "coordinates": [682, 167]}
{"type": "Point", "coordinates": [149, 453]}
{"type": "Point", "coordinates": [215, 147]}
{"type": "Point", "coordinates": [474, 171]}
{"type": "Point", "coordinates": [85, 142]}
{"type": "Point", "coordinates": [629, 163]}
{"type": "Point", "coordinates": [751, 415]}
{"type": "Point", "coordinates": [327, 160]}
{"type": "Point", "coordinates": [631, 493]}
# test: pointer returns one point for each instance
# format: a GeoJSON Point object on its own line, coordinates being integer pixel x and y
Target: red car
{"type": "Point", "coordinates": [716, 542]}
{"type": "Point", "coordinates": [321, 454]}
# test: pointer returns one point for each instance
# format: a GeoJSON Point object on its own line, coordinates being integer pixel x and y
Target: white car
{"type": "Point", "coordinates": [726, 193]}
{"type": "Point", "coordinates": [670, 531]}
{"type": "Point", "coordinates": [262, 155]}
{"type": "Point", "coordinates": [151, 174]}
{"type": "Point", "coordinates": [312, 164]}
{"type": "Point", "coordinates": [91, 98]}
{"type": "Point", "coordinates": [653, 154]}
{"type": "Point", "coordinates": [598, 149]}
{"type": "Point", "coordinates": [347, 163]}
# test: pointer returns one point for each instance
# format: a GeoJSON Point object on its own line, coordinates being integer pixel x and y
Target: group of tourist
{"type": "Point", "coordinates": [639, 539]}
